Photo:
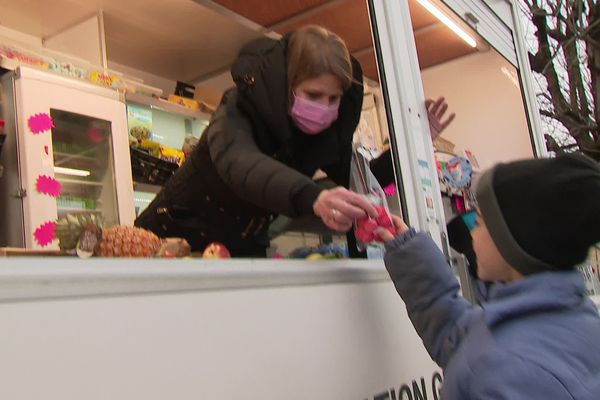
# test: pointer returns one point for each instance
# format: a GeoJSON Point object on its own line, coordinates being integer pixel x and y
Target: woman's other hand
{"type": "Point", "coordinates": [399, 224]}
{"type": "Point", "coordinates": [436, 109]}
{"type": "Point", "coordinates": [339, 207]}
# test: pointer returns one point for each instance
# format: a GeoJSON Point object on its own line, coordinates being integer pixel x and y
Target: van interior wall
{"type": "Point", "coordinates": [83, 40]}
{"type": "Point", "coordinates": [483, 90]}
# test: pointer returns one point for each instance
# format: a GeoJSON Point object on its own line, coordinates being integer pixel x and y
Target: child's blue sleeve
{"type": "Point", "coordinates": [430, 291]}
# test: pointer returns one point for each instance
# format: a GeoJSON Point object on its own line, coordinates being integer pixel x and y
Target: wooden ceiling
{"type": "Point", "coordinates": [194, 40]}
{"type": "Point", "coordinates": [350, 19]}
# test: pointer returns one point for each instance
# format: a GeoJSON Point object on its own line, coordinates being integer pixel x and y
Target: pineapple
{"type": "Point", "coordinates": [70, 228]}
{"type": "Point", "coordinates": [128, 241]}
{"type": "Point", "coordinates": [84, 235]}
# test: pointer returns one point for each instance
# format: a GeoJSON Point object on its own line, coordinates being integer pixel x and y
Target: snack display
{"type": "Point", "coordinates": [172, 155]}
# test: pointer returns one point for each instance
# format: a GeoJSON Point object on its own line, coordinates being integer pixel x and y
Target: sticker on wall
{"type": "Point", "coordinates": [48, 185]}
{"type": "Point", "coordinates": [39, 123]}
{"type": "Point", "coordinates": [45, 233]}
{"type": "Point", "coordinates": [46, 150]}
{"type": "Point", "coordinates": [427, 187]}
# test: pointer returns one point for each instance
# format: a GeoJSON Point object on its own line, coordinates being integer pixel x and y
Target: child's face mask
{"type": "Point", "coordinates": [311, 117]}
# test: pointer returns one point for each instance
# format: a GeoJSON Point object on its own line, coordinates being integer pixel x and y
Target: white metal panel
{"type": "Point", "coordinates": [499, 23]}
{"type": "Point", "coordinates": [533, 109]}
{"type": "Point", "coordinates": [82, 40]}
{"type": "Point", "coordinates": [24, 279]}
{"type": "Point", "coordinates": [490, 27]}
{"type": "Point", "coordinates": [503, 9]}
{"type": "Point", "coordinates": [38, 92]}
{"type": "Point", "coordinates": [315, 341]}
{"type": "Point", "coordinates": [406, 107]}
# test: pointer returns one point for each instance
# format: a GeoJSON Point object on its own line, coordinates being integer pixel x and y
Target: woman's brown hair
{"type": "Point", "coordinates": [313, 51]}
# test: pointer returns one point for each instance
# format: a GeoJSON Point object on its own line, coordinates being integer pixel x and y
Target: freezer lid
{"type": "Point", "coordinates": [35, 74]}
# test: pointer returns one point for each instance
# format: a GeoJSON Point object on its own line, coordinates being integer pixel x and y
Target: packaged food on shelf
{"type": "Point", "coordinates": [184, 101]}
{"type": "Point", "coordinates": [150, 146]}
{"type": "Point", "coordinates": [173, 155]}
{"type": "Point", "coordinates": [105, 79]}
{"type": "Point", "coordinates": [76, 203]}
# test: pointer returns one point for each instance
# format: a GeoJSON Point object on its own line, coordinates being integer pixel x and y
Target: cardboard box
{"type": "Point", "coordinates": [208, 97]}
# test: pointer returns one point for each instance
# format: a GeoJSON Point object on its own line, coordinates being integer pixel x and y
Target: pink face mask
{"type": "Point", "coordinates": [311, 117]}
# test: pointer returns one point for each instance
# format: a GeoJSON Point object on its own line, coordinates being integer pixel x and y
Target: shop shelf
{"type": "Point", "coordinates": [146, 187]}
{"type": "Point", "coordinates": [167, 106]}
{"type": "Point", "coordinates": [71, 156]}
{"type": "Point", "coordinates": [79, 182]}
{"type": "Point", "coordinates": [66, 210]}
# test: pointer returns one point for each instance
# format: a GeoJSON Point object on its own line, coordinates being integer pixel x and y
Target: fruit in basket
{"type": "Point", "coordinates": [216, 250]}
{"type": "Point", "coordinates": [140, 133]}
{"type": "Point", "coordinates": [150, 146]}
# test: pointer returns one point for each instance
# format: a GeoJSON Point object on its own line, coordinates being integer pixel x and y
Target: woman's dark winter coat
{"type": "Point", "coordinates": [252, 162]}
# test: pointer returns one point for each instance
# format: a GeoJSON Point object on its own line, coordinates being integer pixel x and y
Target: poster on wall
{"type": "Point", "coordinates": [139, 121]}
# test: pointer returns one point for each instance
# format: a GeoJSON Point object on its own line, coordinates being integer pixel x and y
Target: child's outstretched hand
{"type": "Point", "coordinates": [400, 226]}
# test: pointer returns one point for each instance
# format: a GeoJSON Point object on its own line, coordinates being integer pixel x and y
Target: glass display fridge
{"type": "Point", "coordinates": [161, 135]}
{"type": "Point", "coordinates": [66, 151]}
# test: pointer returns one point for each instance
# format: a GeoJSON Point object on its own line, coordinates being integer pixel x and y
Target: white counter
{"type": "Point", "coordinates": [196, 329]}
{"type": "Point", "coordinates": [51, 277]}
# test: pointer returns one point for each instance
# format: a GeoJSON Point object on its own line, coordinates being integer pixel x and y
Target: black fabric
{"type": "Point", "coordinates": [383, 168]}
{"type": "Point", "coordinates": [459, 238]}
{"type": "Point", "coordinates": [251, 162]}
{"type": "Point", "coordinates": [260, 74]}
{"type": "Point", "coordinates": [550, 206]}
{"type": "Point", "coordinates": [197, 205]}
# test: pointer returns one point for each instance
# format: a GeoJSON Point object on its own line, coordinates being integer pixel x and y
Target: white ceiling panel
{"type": "Point", "coordinates": [175, 39]}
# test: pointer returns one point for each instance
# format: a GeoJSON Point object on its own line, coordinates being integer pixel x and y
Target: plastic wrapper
{"type": "Point", "coordinates": [363, 181]}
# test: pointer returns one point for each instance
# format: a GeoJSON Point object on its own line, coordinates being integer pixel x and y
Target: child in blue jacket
{"type": "Point", "coordinates": [537, 335]}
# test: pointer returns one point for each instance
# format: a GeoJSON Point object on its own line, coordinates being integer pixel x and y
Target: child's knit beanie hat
{"type": "Point", "coordinates": [542, 214]}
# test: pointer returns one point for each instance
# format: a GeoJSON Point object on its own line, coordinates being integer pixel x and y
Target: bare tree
{"type": "Point", "coordinates": [566, 55]}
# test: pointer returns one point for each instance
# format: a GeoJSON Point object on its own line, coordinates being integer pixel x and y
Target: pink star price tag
{"type": "Point", "coordinates": [45, 233]}
{"type": "Point", "coordinates": [39, 123]}
{"type": "Point", "coordinates": [48, 185]}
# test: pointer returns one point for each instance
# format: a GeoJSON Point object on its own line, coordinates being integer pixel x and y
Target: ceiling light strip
{"type": "Point", "coordinates": [448, 22]}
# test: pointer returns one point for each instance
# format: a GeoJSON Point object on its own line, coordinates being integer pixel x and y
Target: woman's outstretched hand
{"type": "Point", "coordinates": [339, 207]}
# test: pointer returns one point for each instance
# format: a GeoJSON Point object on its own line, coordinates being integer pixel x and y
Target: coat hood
{"type": "Point", "coordinates": [260, 75]}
